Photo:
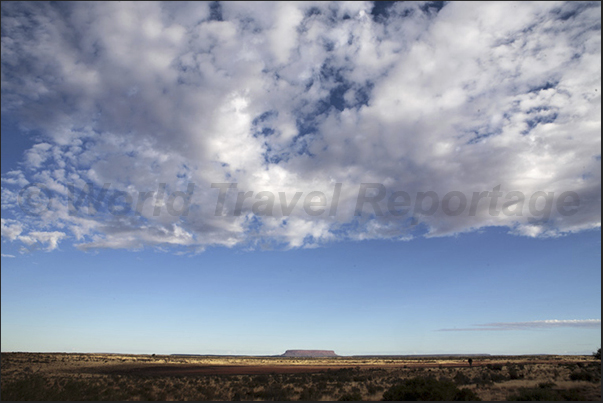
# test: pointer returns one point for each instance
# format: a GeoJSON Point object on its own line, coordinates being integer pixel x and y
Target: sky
{"type": "Point", "coordinates": [246, 178]}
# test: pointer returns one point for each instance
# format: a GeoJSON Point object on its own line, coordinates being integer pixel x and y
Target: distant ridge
{"type": "Point", "coordinates": [422, 355]}
{"type": "Point", "coordinates": [309, 353]}
{"type": "Point", "coordinates": [331, 353]}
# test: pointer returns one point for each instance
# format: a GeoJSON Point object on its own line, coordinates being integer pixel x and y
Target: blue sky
{"type": "Point", "coordinates": [421, 105]}
{"type": "Point", "coordinates": [370, 297]}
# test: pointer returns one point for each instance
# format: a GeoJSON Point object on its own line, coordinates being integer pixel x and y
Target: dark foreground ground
{"type": "Point", "coordinates": [42, 376]}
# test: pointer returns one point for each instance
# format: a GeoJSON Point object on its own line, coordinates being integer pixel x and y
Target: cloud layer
{"type": "Point", "coordinates": [534, 325]}
{"type": "Point", "coordinates": [296, 97]}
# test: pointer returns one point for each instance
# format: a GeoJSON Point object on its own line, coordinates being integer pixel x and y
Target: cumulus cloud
{"type": "Point", "coordinates": [297, 97]}
{"type": "Point", "coordinates": [534, 325]}
{"type": "Point", "coordinates": [49, 241]}
{"type": "Point", "coordinates": [11, 229]}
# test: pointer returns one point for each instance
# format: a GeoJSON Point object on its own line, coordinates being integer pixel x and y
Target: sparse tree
{"type": "Point", "coordinates": [597, 354]}
{"type": "Point", "coordinates": [470, 361]}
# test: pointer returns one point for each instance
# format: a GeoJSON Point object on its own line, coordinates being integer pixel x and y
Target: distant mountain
{"type": "Point", "coordinates": [309, 353]}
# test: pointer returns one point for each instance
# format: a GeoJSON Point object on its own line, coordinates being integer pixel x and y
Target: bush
{"type": "Point", "coordinates": [597, 354]}
{"type": "Point", "coordinates": [310, 394]}
{"type": "Point", "coordinates": [461, 379]}
{"type": "Point", "coordinates": [428, 389]}
{"type": "Point", "coordinates": [514, 374]}
{"type": "Point", "coordinates": [351, 397]}
{"type": "Point", "coordinates": [546, 394]}
{"type": "Point", "coordinates": [583, 376]}
{"type": "Point", "coordinates": [535, 395]}
{"type": "Point", "coordinates": [498, 377]}
{"type": "Point", "coordinates": [483, 379]}
{"type": "Point", "coordinates": [371, 389]}
{"type": "Point", "coordinates": [35, 387]}
{"type": "Point", "coordinates": [275, 392]}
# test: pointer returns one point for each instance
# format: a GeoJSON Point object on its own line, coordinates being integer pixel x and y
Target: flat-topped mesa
{"type": "Point", "coordinates": [309, 353]}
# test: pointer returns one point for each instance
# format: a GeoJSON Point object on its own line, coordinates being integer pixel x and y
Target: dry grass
{"type": "Point", "coordinates": [30, 376]}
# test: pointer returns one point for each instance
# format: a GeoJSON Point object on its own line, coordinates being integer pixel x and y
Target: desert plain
{"type": "Point", "coordinates": [71, 376]}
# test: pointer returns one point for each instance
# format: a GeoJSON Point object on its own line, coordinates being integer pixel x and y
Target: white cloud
{"type": "Point", "coordinates": [533, 325]}
{"type": "Point", "coordinates": [293, 98]}
{"type": "Point", "coordinates": [36, 239]}
{"type": "Point", "coordinates": [7, 255]}
{"type": "Point", "coordinates": [11, 229]}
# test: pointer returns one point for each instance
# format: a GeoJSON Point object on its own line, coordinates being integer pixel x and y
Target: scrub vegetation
{"type": "Point", "coordinates": [30, 376]}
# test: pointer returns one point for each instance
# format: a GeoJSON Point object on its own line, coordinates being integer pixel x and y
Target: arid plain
{"type": "Point", "coordinates": [58, 376]}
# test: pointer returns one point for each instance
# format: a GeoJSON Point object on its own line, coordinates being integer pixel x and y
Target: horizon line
{"type": "Point", "coordinates": [281, 355]}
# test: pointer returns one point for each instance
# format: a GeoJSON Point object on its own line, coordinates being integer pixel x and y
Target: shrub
{"type": "Point", "coordinates": [30, 388]}
{"type": "Point", "coordinates": [428, 389]}
{"type": "Point", "coordinates": [275, 392]}
{"type": "Point", "coordinates": [574, 395]}
{"type": "Point", "coordinates": [583, 376]}
{"type": "Point", "coordinates": [371, 389]}
{"type": "Point", "coordinates": [461, 379]}
{"type": "Point", "coordinates": [514, 374]}
{"type": "Point", "coordinates": [546, 394]}
{"type": "Point", "coordinates": [498, 377]}
{"type": "Point", "coordinates": [35, 387]}
{"type": "Point", "coordinates": [351, 397]}
{"type": "Point", "coordinates": [483, 379]}
{"type": "Point", "coordinates": [597, 354]}
{"type": "Point", "coordinates": [535, 395]}
{"type": "Point", "coordinates": [309, 394]}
